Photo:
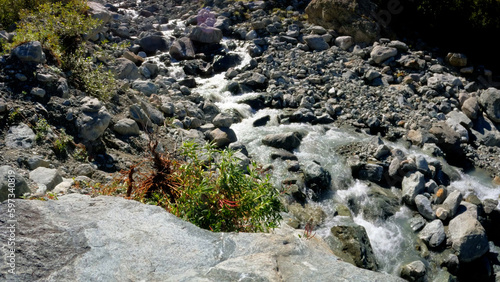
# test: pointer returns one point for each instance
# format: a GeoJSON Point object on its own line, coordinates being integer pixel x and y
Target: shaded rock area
{"type": "Point", "coordinates": [69, 239]}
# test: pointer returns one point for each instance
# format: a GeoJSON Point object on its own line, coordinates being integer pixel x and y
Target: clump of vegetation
{"type": "Point", "coordinates": [59, 27]}
{"type": "Point", "coordinates": [10, 9]}
{"type": "Point", "coordinates": [60, 145]}
{"type": "Point", "coordinates": [41, 128]}
{"type": "Point", "coordinates": [91, 78]}
{"type": "Point", "coordinates": [209, 189]}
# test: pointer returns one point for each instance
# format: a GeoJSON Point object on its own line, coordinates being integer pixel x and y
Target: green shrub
{"type": "Point", "coordinates": [209, 189]}
{"type": "Point", "coordinates": [218, 195]}
{"type": "Point", "coordinates": [59, 27]}
{"type": "Point", "coordinates": [10, 9]}
{"type": "Point", "coordinates": [94, 79]}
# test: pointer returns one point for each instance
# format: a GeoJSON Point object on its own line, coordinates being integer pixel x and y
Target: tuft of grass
{"type": "Point", "coordinates": [208, 188]}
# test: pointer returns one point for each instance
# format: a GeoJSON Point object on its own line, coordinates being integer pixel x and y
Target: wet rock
{"type": "Point", "coordinates": [433, 233]}
{"type": "Point", "coordinates": [381, 53]}
{"type": "Point", "coordinates": [316, 177]}
{"type": "Point", "coordinates": [182, 49]}
{"type": "Point", "coordinates": [256, 81]}
{"type": "Point", "coordinates": [371, 172]}
{"type": "Point", "coordinates": [424, 207]}
{"type": "Point", "coordinates": [222, 120]}
{"type": "Point", "coordinates": [222, 137]}
{"type": "Point", "coordinates": [47, 177]}
{"type": "Point", "coordinates": [20, 136]}
{"type": "Point", "coordinates": [351, 243]}
{"type": "Point", "coordinates": [222, 63]}
{"type": "Point", "coordinates": [283, 155]}
{"type": "Point", "coordinates": [412, 185]}
{"type": "Point", "coordinates": [206, 34]}
{"type": "Point", "coordinates": [468, 238]}
{"type": "Point", "coordinates": [127, 127]}
{"type": "Point", "coordinates": [93, 119]}
{"type": "Point", "coordinates": [153, 43]}
{"type": "Point", "coordinates": [30, 52]}
{"type": "Point", "coordinates": [414, 271]}
{"type": "Point", "coordinates": [288, 141]}
{"type": "Point", "coordinates": [261, 121]}
{"type": "Point", "coordinates": [417, 222]}
{"type": "Point", "coordinates": [352, 18]}
{"type": "Point", "coordinates": [316, 42]}
{"type": "Point", "coordinates": [11, 183]}
{"type": "Point", "coordinates": [490, 102]}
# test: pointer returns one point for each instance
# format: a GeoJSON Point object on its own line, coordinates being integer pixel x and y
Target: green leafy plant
{"type": "Point", "coordinates": [41, 128]}
{"type": "Point", "coordinates": [60, 145]}
{"type": "Point", "coordinates": [209, 188]}
{"type": "Point", "coordinates": [92, 78]}
{"type": "Point", "coordinates": [58, 26]}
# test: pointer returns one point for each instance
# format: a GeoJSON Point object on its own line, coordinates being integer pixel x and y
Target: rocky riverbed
{"type": "Point", "coordinates": [390, 154]}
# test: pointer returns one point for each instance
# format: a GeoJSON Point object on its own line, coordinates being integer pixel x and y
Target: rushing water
{"type": "Point", "coordinates": [392, 239]}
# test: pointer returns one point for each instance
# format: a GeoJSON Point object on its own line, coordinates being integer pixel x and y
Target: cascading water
{"type": "Point", "coordinates": [392, 239]}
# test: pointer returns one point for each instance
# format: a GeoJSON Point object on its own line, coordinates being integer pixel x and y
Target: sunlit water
{"type": "Point", "coordinates": [392, 240]}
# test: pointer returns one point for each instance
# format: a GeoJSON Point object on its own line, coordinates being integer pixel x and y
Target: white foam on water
{"type": "Point", "coordinates": [480, 185]}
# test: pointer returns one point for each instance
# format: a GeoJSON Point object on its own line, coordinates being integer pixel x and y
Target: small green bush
{"type": "Point", "coordinates": [218, 195]}
{"type": "Point", "coordinates": [208, 189]}
{"type": "Point", "coordinates": [59, 27]}
{"type": "Point", "coordinates": [10, 9]}
{"type": "Point", "coordinates": [94, 79]}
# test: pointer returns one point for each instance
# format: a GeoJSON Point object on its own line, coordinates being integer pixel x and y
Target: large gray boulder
{"type": "Point", "coordinates": [126, 69]}
{"type": "Point", "coordinates": [412, 185]}
{"type": "Point", "coordinates": [433, 233]}
{"type": "Point", "coordinates": [20, 136]}
{"type": "Point", "coordinates": [351, 243]}
{"type": "Point", "coordinates": [222, 137]}
{"type": "Point", "coordinates": [347, 17]}
{"type": "Point", "coordinates": [206, 34]}
{"type": "Point", "coordinates": [182, 49]}
{"type": "Point", "coordinates": [468, 237]}
{"type": "Point", "coordinates": [424, 207]}
{"type": "Point", "coordinates": [414, 271]}
{"type": "Point", "coordinates": [79, 238]}
{"type": "Point", "coordinates": [93, 119]}
{"type": "Point", "coordinates": [452, 202]}
{"type": "Point", "coordinates": [288, 141]}
{"type": "Point", "coordinates": [11, 183]}
{"type": "Point", "coordinates": [153, 43]}
{"type": "Point", "coordinates": [381, 53]}
{"type": "Point", "coordinates": [316, 177]}
{"type": "Point", "coordinates": [490, 102]}
{"type": "Point", "coordinates": [46, 177]}
{"type": "Point", "coordinates": [30, 52]}
{"type": "Point", "coordinates": [316, 42]}
{"type": "Point", "coordinates": [127, 126]}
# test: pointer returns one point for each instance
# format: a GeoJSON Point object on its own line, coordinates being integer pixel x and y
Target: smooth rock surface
{"type": "Point", "coordinates": [10, 179]}
{"type": "Point", "coordinates": [48, 177]}
{"type": "Point", "coordinates": [20, 136]}
{"type": "Point", "coordinates": [79, 238]}
{"type": "Point", "coordinates": [468, 237]}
